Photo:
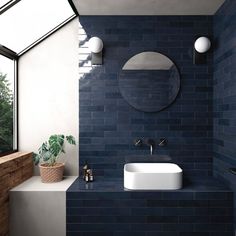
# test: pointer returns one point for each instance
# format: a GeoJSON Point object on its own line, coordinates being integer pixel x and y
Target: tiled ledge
{"type": "Point", "coordinates": [105, 208]}
{"type": "Point", "coordinates": [14, 169]}
{"type": "Point", "coordinates": [209, 184]}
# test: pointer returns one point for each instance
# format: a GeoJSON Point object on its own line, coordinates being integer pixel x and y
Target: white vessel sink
{"type": "Point", "coordinates": [152, 176]}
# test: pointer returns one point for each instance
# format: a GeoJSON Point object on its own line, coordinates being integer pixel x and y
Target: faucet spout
{"type": "Point", "coordinates": [151, 144]}
{"type": "Point", "coordinates": [151, 149]}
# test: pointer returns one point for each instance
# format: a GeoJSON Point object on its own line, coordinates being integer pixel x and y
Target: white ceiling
{"type": "Point", "coordinates": [147, 7]}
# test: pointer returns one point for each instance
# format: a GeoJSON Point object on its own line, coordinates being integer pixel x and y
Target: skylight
{"type": "Point", "coordinates": [29, 20]}
{"type": "Point", "coordinates": [3, 3]}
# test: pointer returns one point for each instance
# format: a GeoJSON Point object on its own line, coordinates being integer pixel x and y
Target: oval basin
{"type": "Point", "coordinates": [152, 176]}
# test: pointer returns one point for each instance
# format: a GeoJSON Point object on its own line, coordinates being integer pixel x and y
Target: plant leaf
{"type": "Point", "coordinates": [50, 150]}
{"type": "Point", "coordinates": [47, 155]}
{"type": "Point", "coordinates": [43, 148]}
{"type": "Point", "coordinates": [56, 143]}
{"type": "Point", "coordinates": [71, 140]}
{"type": "Point", "coordinates": [36, 158]}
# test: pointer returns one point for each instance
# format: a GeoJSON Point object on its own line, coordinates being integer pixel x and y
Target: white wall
{"type": "Point", "coordinates": [48, 92]}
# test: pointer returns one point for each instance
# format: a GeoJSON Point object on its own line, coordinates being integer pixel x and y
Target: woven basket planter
{"type": "Point", "coordinates": [51, 174]}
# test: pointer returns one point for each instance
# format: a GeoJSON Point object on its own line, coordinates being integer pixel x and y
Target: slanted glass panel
{"type": "Point", "coordinates": [7, 105]}
{"type": "Point", "coordinates": [29, 20]}
{"type": "Point", "coordinates": [4, 2]}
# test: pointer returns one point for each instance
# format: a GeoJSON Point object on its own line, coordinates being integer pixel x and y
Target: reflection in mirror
{"type": "Point", "coordinates": [149, 81]}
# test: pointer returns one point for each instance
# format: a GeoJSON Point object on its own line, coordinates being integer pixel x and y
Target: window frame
{"type": "Point", "coordinates": [46, 34]}
{"type": "Point", "coordinates": [8, 5]}
{"type": "Point", "coordinates": [73, 7]}
{"type": "Point", "coordinates": [6, 52]}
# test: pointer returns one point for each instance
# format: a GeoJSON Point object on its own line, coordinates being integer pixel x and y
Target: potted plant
{"type": "Point", "coordinates": [48, 154]}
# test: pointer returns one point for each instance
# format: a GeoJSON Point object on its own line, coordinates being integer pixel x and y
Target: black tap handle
{"type": "Point", "coordinates": [138, 142]}
{"type": "Point", "coordinates": [163, 142]}
{"type": "Point", "coordinates": [232, 170]}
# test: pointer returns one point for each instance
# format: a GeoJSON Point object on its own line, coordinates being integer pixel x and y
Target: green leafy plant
{"type": "Point", "coordinates": [6, 115]}
{"type": "Point", "coordinates": [50, 150]}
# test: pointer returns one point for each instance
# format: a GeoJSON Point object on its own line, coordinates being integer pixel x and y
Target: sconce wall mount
{"type": "Point", "coordinates": [201, 46]}
{"type": "Point", "coordinates": [96, 46]}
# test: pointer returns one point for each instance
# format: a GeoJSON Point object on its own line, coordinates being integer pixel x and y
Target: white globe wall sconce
{"type": "Point", "coordinates": [96, 46]}
{"type": "Point", "coordinates": [201, 46]}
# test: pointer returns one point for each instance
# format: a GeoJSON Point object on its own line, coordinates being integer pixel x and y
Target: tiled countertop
{"type": "Point", "coordinates": [116, 185]}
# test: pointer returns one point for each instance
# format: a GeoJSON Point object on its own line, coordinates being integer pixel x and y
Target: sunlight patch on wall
{"type": "Point", "coordinates": [85, 65]}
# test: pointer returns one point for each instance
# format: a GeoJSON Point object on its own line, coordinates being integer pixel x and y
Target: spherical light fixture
{"type": "Point", "coordinates": [95, 45]}
{"type": "Point", "coordinates": [202, 44]}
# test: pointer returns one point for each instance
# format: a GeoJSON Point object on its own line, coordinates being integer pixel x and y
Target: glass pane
{"type": "Point", "coordinates": [4, 2]}
{"type": "Point", "coordinates": [6, 104]}
{"type": "Point", "coordinates": [28, 20]}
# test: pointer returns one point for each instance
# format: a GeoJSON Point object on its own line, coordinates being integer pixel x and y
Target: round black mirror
{"type": "Point", "coordinates": [149, 81]}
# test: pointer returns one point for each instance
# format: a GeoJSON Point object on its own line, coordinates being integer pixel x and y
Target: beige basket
{"type": "Point", "coordinates": [51, 174]}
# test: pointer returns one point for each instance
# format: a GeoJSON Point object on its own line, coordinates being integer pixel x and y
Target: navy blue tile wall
{"type": "Point", "coordinates": [108, 125]}
{"type": "Point", "coordinates": [225, 93]}
{"type": "Point", "coordinates": [100, 209]}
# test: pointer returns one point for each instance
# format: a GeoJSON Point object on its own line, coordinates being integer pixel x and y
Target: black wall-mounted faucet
{"type": "Point", "coordinates": [151, 143]}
